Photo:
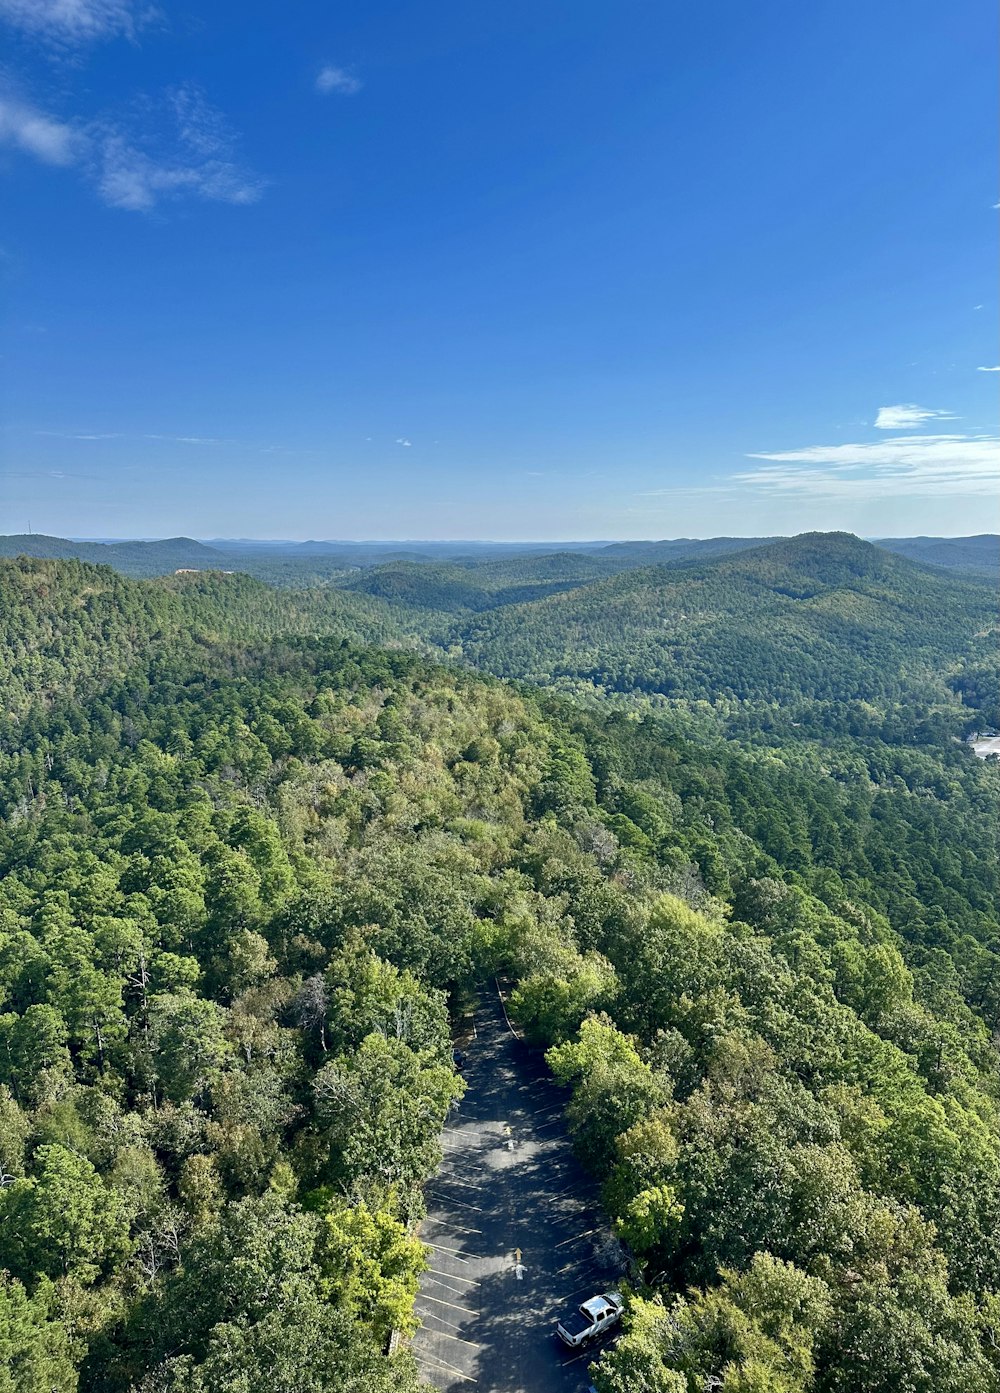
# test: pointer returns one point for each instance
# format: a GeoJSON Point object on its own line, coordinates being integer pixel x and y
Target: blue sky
{"type": "Point", "coordinates": [522, 270]}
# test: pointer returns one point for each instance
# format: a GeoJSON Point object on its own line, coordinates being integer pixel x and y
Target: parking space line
{"type": "Point", "coordinates": [576, 1238]}
{"type": "Point", "coordinates": [593, 1285]}
{"type": "Point", "coordinates": [433, 1359]}
{"type": "Point", "coordinates": [433, 1315]}
{"type": "Point", "coordinates": [442, 1335]}
{"type": "Point", "coordinates": [464, 1309]}
{"type": "Point", "coordinates": [472, 1257]}
{"type": "Point", "coordinates": [567, 1267]}
{"type": "Point", "coordinates": [448, 1224]}
{"type": "Point", "coordinates": [554, 1107]}
{"type": "Point", "coordinates": [451, 1180]}
{"type": "Point", "coordinates": [436, 1281]}
{"type": "Point", "coordinates": [456, 1277]}
{"type": "Point", "coordinates": [555, 1122]}
{"type": "Point", "coordinates": [446, 1199]}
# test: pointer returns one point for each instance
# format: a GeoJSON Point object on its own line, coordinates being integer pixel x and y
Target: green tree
{"type": "Point", "coordinates": [63, 1220]}
{"type": "Point", "coordinates": [372, 1266]}
{"type": "Point", "coordinates": [35, 1354]}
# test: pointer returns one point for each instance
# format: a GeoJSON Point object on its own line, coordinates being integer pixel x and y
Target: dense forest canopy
{"type": "Point", "coordinates": [746, 893]}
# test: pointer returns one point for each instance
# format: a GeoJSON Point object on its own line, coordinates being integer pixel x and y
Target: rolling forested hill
{"type": "Point", "coordinates": [822, 617]}
{"type": "Point", "coordinates": [454, 587]}
{"type": "Point", "coordinates": [248, 864]}
{"type": "Point", "coordinates": [130, 558]}
{"type": "Point", "coordinates": [66, 626]}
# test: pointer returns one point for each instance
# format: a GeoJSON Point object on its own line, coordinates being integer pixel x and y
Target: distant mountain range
{"type": "Point", "coordinates": [542, 566]}
{"type": "Point", "coordinates": [980, 553]}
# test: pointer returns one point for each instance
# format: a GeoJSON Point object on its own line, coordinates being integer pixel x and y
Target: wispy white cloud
{"type": "Point", "coordinates": [996, 369]}
{"type": "Point", "coordinates": [34, 133]}
{"type": "Point", "coordinates": [688, 491]}
{"type": "Point", "coordinates": [334, 79]}
{"type": "Point", "coordinates": [401, 441]}
{"type": "Point", "coordinates": [908, 416]}
{"type": "Point", "coordinates": [186, 439]}
{"type": "Point", "coordinates": [902, 465]}
{"type": "Point", "coordinates": [80, 435]}
{"type": "Point", "coordinates": [128, 177]}
{"type": "Point", "coordinates": [188, 149]}
{"type": "Point", "coordinates": [179, 146]}
{"type": "Point", "coordinates": [168, 439]}
{"type": "Point", "coordinates": [76, 21]}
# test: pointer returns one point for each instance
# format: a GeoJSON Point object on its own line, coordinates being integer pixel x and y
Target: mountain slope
{"type": "Point", "coordinates": [481, 585]}
{"type": "Point", "coordinates": [155, 558]}
{"type": "Point", "coordinates": [823, 616]}
{"type": "Point", "coordinates": [66, 627]}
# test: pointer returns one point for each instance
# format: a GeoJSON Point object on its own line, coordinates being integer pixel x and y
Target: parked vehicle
{"type": "Point", "coordinates": [591, 1320]}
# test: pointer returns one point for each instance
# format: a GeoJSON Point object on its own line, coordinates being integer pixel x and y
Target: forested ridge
{"type": "Point", "coordinates": [130, 558]}
{"type": "Point", "coordinates": [67, 626]}
{"type": "Point", "coordinates": [249, 864]}
{"type": "Point", "coordinates": [822, 616]}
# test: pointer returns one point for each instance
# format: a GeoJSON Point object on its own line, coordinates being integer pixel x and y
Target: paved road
{"type": "Point", "coordinates": [509, 1182]}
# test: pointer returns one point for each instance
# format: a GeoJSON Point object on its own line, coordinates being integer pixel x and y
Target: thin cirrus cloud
{"type": "Point", "coordinates": [181, 147]}
{"type": "Point", "coordinates": [23, 127]}
{"type": "Point", "coordinates": [186, 148]}
{"type": "Point", "coordinates": [926, 465]}
{"type": "Point", "coordinates": [76, 21]}
{"type": "Point", "coordinates": [333, 79]}
{"type": "Point", "coordinates": [96, 436]}
{"type": "Point", "coordinates": [996, 369]}
{"type": "Point", "coordinates": [908, 416]}
{"type": "Point", "coordinates": [81, 435]}
{"type": "Point", "coordinates": [121, 435]}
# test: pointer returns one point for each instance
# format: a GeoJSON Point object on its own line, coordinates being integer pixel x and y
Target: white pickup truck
{"type": "Point", "coordinates": [591, 1320]}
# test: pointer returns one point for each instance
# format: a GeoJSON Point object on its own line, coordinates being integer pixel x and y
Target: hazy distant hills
{"type": "Point", "coordinates": [452, 575]}
{"type": "Point", "coordinates": [681, 549]}
{"type": "Point", "coordinates": [130, 558]}
{"type": "Point", "coordinates": [981, 553]}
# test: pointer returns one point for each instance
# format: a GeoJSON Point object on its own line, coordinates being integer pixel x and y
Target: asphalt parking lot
{"type": "Point", "coordinates": [514, 1233]}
